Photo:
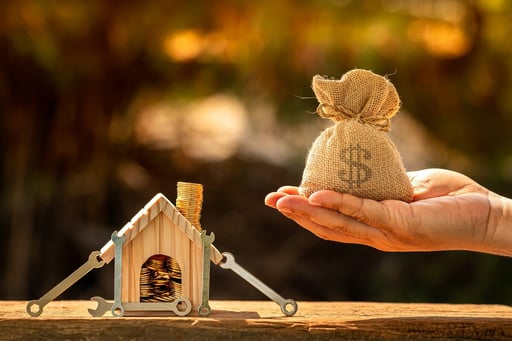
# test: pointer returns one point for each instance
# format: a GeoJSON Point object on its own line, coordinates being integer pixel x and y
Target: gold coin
{"type": "Point", "coordinates": [189, 202]}
{"type": "Point", "coordinates": [160, 279]}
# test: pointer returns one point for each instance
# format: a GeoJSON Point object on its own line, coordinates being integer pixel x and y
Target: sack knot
{"type": "Point", "coordinates": [337, 113]}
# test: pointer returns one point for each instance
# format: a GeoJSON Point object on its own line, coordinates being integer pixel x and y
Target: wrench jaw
{"type": "Point", "coordinates": [182, 306]}
{"type": "Point", "coordinates": [117, 310]}
{"type": "Point", "coordinates": [204, 310]}
{"type": "Point", "coordinates": [103, 306]}
{"type": "Point", "coordinates": [95, 260]}
{"type": "Point", "coordinates": [289, 307]}
{"type": "Point", "coordinates": [31, 311]}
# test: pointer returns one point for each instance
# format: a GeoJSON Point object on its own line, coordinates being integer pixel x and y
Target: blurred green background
{"type": "Point", "coordinates": [105, 103]}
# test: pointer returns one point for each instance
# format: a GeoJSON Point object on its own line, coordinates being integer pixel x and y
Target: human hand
{"type": "Point", "coordinates": [449, 211]}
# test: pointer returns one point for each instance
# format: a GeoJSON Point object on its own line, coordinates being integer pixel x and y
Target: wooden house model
{"type": "Point", "coordinates": [162, 262]}
{"type": "Point", "coordinates": [160, 235]}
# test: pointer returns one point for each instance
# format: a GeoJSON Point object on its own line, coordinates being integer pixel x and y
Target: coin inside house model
{"type": "Point", "coordinates": [162, 263]}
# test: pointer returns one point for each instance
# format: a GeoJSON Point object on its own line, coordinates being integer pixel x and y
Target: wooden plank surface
{"type": "Point", "coordinates": [263, 320]}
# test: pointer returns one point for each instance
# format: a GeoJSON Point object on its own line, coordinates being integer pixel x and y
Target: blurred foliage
{"type": "Point", "coordinates": [102, 105]}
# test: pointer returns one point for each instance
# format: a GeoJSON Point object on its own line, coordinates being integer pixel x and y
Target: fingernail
{"type": "Point", "coordinates": [314, 203]}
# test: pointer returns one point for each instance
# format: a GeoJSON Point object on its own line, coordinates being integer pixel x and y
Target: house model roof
{"type": "Point", "coordinates": [158, 205]}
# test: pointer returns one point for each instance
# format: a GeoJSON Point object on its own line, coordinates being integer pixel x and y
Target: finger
{"type": "Point", "coordinates": [426, 184]}
{"type": "Point", "coordinates": [292, 190]}
{"type": "Point", "coordinates": [432, 183]}
{"type": "Point", "coordinates": [272, 198]}
{"type": "Point", "coordinates": [369, 212]}
{"type": "Point", "coordinates": [313, 217]}
{"type": "Point", "coordinates": [419, 185]}
{"type": "Point", "coordinates": [327, 233]}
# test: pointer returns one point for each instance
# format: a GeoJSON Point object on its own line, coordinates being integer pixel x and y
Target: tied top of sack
{"type": "Point", "coordinates": [359, 95]}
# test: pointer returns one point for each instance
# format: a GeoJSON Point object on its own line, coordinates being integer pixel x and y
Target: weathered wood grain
{"type": "Point", "coordinates": [251, 320]}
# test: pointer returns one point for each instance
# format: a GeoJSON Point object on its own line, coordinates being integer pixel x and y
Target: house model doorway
{"type": "Point", "coordinates": [160, 279]}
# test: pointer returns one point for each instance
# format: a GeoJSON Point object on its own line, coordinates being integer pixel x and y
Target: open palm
{"type": "Point", "coordinates": [449, 211]}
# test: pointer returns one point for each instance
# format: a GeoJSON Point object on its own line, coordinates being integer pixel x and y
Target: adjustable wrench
{"type": "Point", "coordinates": [93, 262]}
{"type": "Point", "coordinates": [288, 306]}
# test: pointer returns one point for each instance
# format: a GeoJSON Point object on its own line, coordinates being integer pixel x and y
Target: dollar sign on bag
{"type": "Point", "coordinates": [357, 172]}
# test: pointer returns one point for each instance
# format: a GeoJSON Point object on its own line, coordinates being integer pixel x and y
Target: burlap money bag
{"type": "Point", "coordinates": [356, 155]}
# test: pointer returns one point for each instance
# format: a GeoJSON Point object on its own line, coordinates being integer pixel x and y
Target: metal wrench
{"type": "Point", "coordinates": [288, 306]}
{"type": "Point", "coordinates": [93, 262]}
{"type": "Point", "coordinates": [117, 307]}
{"type": "Point", "coordinates": [180, 306]}
{"type": "Point", "coordinates": [204, 309]}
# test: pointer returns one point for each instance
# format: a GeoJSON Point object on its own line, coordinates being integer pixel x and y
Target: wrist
{"type": "Point", "coordinates": [498, 239]}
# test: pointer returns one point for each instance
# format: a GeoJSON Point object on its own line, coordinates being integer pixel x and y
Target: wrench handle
{"type": "Point", "coordinates": [249, 277]}
{"type": "Point", "coordinates": [288, 306]}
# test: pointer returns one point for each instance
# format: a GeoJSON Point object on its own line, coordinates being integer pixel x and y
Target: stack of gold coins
{"type": "Point", "coordinates": [146, 291]}
{"type": "Point", "coordinates": [160, 279]}
{"type": "Point", "coordinates": [161, 285]}
{"type": "Point", "coordinates": [189, 202]}
{"type": "Point", "coordinates": [175, 276]}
